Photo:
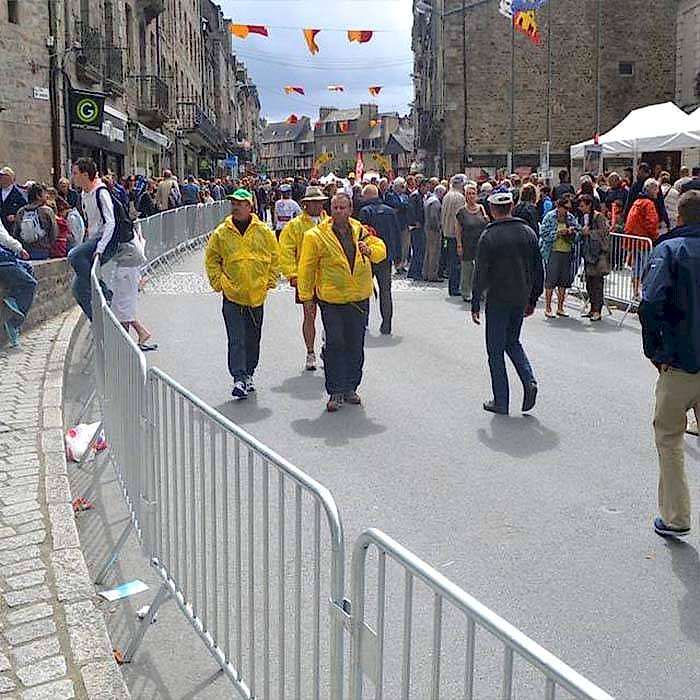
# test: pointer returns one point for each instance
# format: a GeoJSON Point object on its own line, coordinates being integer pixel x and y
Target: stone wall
{"type": "Point", "coordinates": [634, 31]}
{"type": "Point", "coordinates": [53, 293]}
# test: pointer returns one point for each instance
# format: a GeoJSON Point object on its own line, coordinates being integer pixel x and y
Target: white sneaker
{"type": "Point", "coordinates": [239, 391]}
{"type": "Point", "coordinates": [311, 361]}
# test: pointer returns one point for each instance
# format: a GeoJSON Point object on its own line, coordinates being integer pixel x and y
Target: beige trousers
{"type": "Point", "coordinates": [676, 392]}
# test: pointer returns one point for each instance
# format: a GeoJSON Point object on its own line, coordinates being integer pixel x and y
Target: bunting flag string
{"type": "Point", "coordinates": [243, 30]}
{"type": "Point", "coordinates": [361, 36]}
{"type": "Point", "coordinates": [374, 90]}
{"type": "Point", "coordinates": [289, 89]}
{"type": "Point", "coordinates": [310, 37]}
{"type": "Point", "coordinates": [336, 88]}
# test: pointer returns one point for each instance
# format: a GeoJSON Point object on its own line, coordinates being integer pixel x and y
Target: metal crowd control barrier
{"type": "Point", "coordinates": [251, 550]}
{"type": "Point", "coordinates": [369, 655]}
{"type": "Point", "coordinates": [629, 256]}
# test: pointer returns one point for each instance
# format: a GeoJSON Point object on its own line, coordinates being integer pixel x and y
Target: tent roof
{"type": "Point", "coordinates": [660, 127]}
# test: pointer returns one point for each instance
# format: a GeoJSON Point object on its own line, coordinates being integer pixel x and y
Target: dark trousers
{"type": "Point", "coordinates": [594, 287]}
{"type": "Point", "coordinates": [503, 325]}
{"type": "Point", "coordinates": [415, 269]}
{"type": "Point", "coordinates": [344, 349]}
{"type": "Point", "coordinates": [382, 271]}
{"type": "Point", "coordinates": [454, 268]}
{"type": "Point", "coordinates": [80, 259]}
{"type": "Point", "coordinates": [19, 283]}
{"type": "Point", "coordinates": [243, 329]}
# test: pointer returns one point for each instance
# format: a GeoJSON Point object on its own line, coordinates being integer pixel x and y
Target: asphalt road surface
{"type": "Point", "coordinates": [544, 518]}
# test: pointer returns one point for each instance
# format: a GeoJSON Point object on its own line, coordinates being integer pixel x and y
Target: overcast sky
{"type": "Point", "coordinates": [284, 59]}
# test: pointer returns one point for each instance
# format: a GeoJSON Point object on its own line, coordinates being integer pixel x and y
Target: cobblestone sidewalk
{"type": "Point", "coordinates": [54, 642]}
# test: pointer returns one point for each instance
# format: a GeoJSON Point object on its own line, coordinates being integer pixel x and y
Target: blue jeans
{"type": "Point", "coordinates": [20, 284]}
{"type": "Point", "coordinates": [415, 269]}
{"type": "Point", "coordinates": [80, 259]}
{"type": "Point", "coordinates": [344, 349]}
{"type": "Point", "coordinates": [454, 268]}
{"type": "Point", "coordinates": [503, 325]}
{"type": "Point", "coordinates": [243, 330]}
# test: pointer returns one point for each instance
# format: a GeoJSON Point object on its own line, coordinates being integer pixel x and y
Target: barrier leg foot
{"type": "Point", "coordinates": [162, 595]}
{"type": "Point", "coordinates": [113, 555]}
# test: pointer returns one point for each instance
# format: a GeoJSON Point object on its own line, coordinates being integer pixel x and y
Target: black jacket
{"type": "Point", "coordinates": [508, 265]}
{"type": "Point", "coordinates": [527, 211]}
{"type": "Point", "coordinates": [11, 205]}
{"type": "Point", "coordinates": [670, 308]}
{"type": "Point", "coordinates": [415, 216]}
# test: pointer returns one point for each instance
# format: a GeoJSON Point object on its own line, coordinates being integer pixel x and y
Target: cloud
{"type": "Point", "coordinates": [284, 59]}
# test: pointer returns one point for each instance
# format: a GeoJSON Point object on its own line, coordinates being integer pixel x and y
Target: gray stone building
{"type": "Point", "coordinates": [287, 149]}
{"type": "Point", "coordinates": [175, 95]}
{"type": "Point", "coordinates": [688, 55]}
{"type": "Point", "coordinates": [597, 61]}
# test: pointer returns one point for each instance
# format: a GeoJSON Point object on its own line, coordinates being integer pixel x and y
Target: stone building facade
{"type": "Point", "coordinates": [287, 149]}
{"type": "Point", "coordinates": [175, 95]}
{"type": "Point", "coordinates": [688, 55]}
{"type": "Point", "coordinates": [596, 62]}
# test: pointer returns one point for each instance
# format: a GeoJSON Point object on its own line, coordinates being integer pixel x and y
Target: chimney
{"type": "Point", "coordinates": [323, 112]}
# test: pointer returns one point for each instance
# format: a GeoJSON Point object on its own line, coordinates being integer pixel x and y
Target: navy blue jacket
{"type": "Point", "coordinates": [10, 206]}
{"type": "Point", "coordinates": [415, 215]}
{"type": "Point", "coordinates": [382, 218]}
{"type": "Point", "coordinates": [670, 308]}
{"type": "Point", "coordinates": [399, 203]}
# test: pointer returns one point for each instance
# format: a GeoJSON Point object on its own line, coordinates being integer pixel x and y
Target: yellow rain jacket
{"type": "Point", "coordinates": [324, 269]}
{"type": "Point", "coordinates": [242, 266]}
{"type": "Point", "coordinates": [291, 238]}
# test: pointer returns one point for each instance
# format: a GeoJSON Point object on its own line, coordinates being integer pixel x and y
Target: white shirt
{"type": "Point", "coordinates": [6, 192]}
{"type": "Point", "coordinates": [285, 211]}
{"type": "Point", "coordinates": [96, 226]}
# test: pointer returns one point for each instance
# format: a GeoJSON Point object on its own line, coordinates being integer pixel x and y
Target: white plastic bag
{"type": "Point", "coordinates": [77, 440]}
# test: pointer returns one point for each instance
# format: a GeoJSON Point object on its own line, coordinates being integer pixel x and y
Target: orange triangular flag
{"type": "Point", "coordinates": [375, 90]}
{"type": "Point", "coordinates": [310, 36]}
{"type": "Point", "coordinates": [289, 89]}
{"type": "Point", "coordinates": [343, 126]}
{"type": "Point", "coordinates": [336, 88]}
{"type": "Point", "coordinates": [361, 36]}
{"type": "Point", "coordinates": [242, 30]}
{"type": "Point", "coordinates": [292, 119]}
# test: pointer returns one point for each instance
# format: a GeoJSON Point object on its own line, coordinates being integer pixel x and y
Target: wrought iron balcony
{"type": "Point", "coordinates": [150, 9]}
{"type": "Point", "coordinates": [152, 101]}
{"type": "Point", "coordinates": [114, 69]}
{"type": "Point", "coordinates": [89, 58]}
{"type": "Point", "coordinates": [198, 125]}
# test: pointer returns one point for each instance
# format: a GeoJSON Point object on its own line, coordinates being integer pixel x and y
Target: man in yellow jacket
{"type": "Point", "coordinates": [336, 268]}
{"type": "Point", "coordinates": [242, 262]}
{"type": "Point", "coordinates": [291, 238]}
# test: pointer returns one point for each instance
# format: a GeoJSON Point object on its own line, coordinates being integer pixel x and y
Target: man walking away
{"type": "Point", "coordinates": [336, 266]}
{"type": "Point", "coordinates": [416, 225]}
{"type": "Point", "coordinates": [102, 242]}
{"type": "Point", "coordinates": [168, 193]}
{"type": "Point", "coordinates": [285, 209]}
{"type": "Point", "coordinates": [397, 199]}
{"type": "Point", "coordinates": [190, 191]}
{"type": "Point", "coordinates": [241, 261]}
{"type": "Point", "coordinates": [18, 281]}
{"type": "Point", "coordinates": [670, 318]}
{"type": "Point", "coordinates": [291, 240]}
{"type": "Point", "coordinates": [509, 269]}
{"type": "Point", "coordinates": [433, 234]}
{"type": "Point", "coordinates": [382, 218]}
{"type": "Point", "coordinates": [454, 201]}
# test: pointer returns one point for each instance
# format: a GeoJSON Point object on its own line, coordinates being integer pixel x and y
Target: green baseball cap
{"type": "Point", "coordinates": [241, 195]}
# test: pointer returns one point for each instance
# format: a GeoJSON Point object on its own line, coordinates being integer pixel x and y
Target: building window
{"type": "Point", "coordinates": [626, 70]}
{"type": "Point", "coordinates": [13, 11]}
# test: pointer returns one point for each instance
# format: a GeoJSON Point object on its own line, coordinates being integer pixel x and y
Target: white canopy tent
{"type": "Point", "coordinates": [690, 138]}
{"type": "Point", "coordinates": [661, 127]}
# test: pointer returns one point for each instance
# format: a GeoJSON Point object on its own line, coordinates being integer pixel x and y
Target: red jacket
{"type": "Point", "coordinates": [643, 219]}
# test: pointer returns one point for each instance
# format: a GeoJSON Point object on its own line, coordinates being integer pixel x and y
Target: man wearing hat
{"type": "Point", "coordinates": [241, 261]}
{"type": "Point", "coordinates": [291, 238]}
{"type": "Point", "coordinates": [285, 208]}
{"type": "Point", "coordinates": [509, 270]}
{"type": "Point", "coordinates": [11, 198]}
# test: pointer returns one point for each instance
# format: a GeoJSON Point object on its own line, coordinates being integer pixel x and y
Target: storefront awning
{"type": "Point", "coordinates": [154, 137]}
{"type": "Point", "coordinates": [112, 138]}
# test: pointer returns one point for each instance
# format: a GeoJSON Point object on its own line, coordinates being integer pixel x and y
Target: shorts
{"type": "Point", "coordinates": [559, 271]}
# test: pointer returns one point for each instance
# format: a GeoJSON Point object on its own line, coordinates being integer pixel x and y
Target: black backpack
{"type": "Point", "coordinates": [123, 225]}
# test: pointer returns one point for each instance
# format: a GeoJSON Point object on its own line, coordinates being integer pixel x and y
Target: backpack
{"type": "Point", "coordinates": [76, 226]}
{"type": "Point", "coordinates": [31, 231]}
{"type": "Point", "coordinates": [123, 225]}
